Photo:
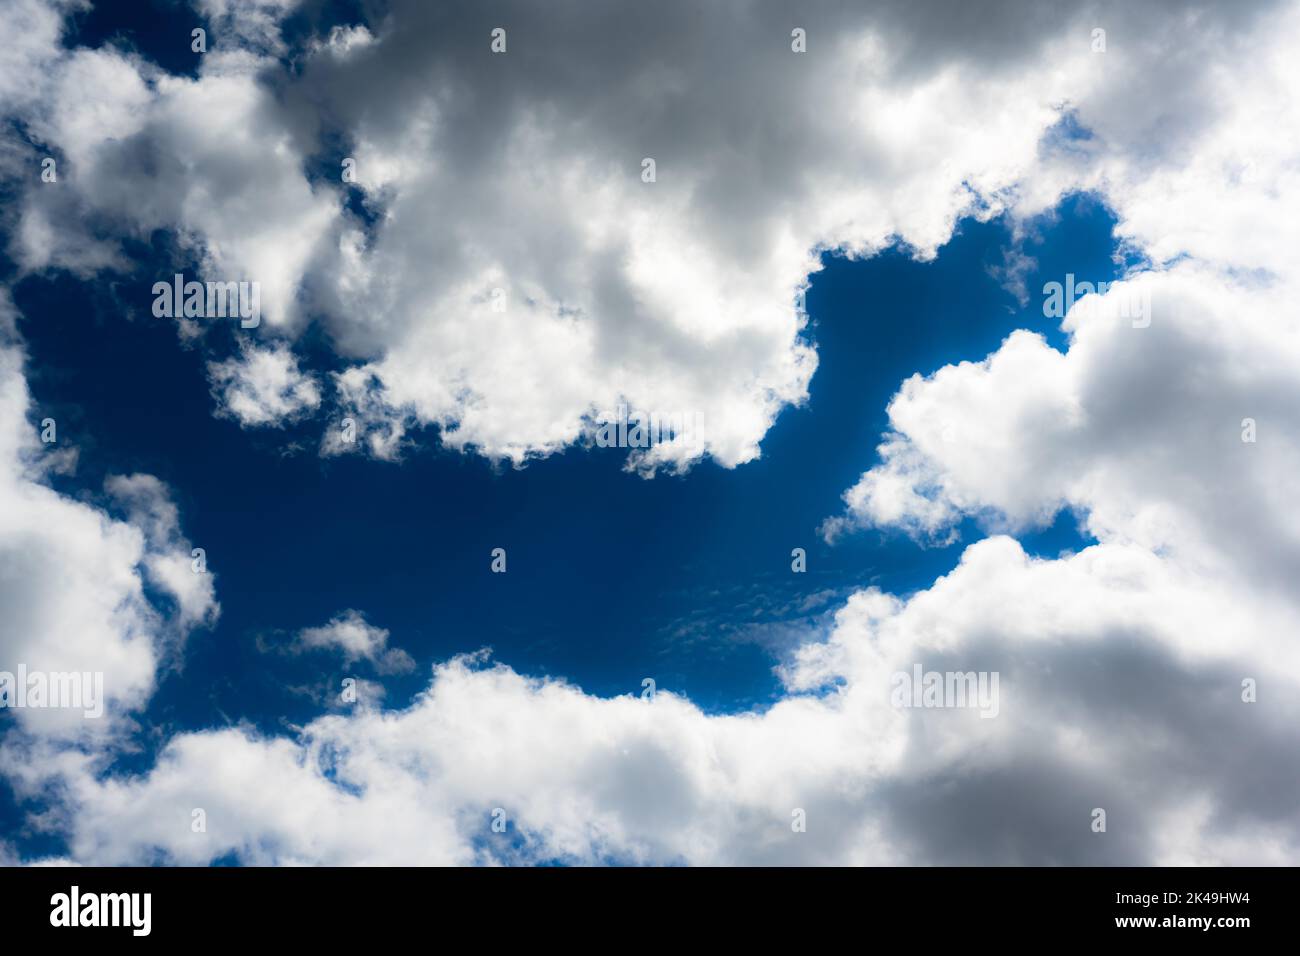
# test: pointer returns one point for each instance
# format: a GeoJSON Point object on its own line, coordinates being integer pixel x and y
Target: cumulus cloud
{"type": "Point", "coordinates": [513, 274]}
{"type": "Point", "coordinates": [210, 159]}
{"type": "Point", "coordinates": [558, 282]}
{"type": "Point", "coordinates": [1142, 430]}
{"type": "Point", "coordinates": [1138, 424]}
{"type": "Point", "coordinates": [263, 386]}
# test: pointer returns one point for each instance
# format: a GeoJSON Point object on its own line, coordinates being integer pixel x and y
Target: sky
{"type": "Point", "coordinates": [842, 266]}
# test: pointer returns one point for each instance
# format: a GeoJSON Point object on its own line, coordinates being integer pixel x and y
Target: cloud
{"type": "Point", "coordinates": [356, 640]}
{"type": "Point", "coordinates": [37, 27]}
{"type": "Point", "coordinates": [210, 159]}
{"type": "Point", "coordinates": [247, 24]}
{"type": "Point", "coordinates": [1138, 429]}
{"type": "Point", "coordinates": [1107, 700]}
{"type": "Point", "coordinates": [500, 269]}
{"type": "Point", "coordinates": [263, 387]}
{"type": "Point", "coordinates": [170, 563]}
{"type": "Point", "coordinates": [520, 276]}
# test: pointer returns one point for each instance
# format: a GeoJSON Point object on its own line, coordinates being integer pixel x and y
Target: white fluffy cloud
{"type": "Point", "coordinates": [209, 159]}
{"type": "Point", "coordinates": [1137, 426]}
{"type": "Point", "coordinates": [1140, 430]}
{"type": "Point", "coordinates": [521, 276]}
{"type": "Point", "coordinates": [263, 386]}
{"type": "Point", "coordinates": [515, 180]}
